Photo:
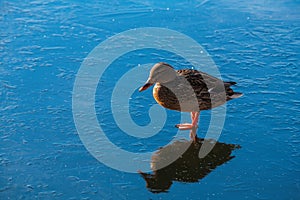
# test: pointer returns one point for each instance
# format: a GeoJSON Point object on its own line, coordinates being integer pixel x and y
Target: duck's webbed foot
{"type": "Point", "coordinates": [193, 126]}
{"type": "Point", "coordinates": [186, 126]}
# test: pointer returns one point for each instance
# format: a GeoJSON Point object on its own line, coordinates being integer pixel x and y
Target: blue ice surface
{"type": "Point", "coordinates": [43, 44]}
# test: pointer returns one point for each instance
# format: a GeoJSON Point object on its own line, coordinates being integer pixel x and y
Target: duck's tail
{"type": "Point", "coordinates": [236, 95]}
{"type": "Point", "coordinates": [230, 93]}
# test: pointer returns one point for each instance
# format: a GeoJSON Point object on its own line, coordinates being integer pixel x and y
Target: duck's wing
{"type": "Point", "coordinates": [201, 81]}
{"type": "Point", "coordinates": [206, 87]}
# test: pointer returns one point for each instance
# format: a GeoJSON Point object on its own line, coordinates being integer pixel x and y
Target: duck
{"type": "Point", "coordinates": [188, 90]}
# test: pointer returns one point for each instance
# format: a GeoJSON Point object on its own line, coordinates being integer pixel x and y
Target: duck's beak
{"type": "Point", "coordinates": [145, 87]}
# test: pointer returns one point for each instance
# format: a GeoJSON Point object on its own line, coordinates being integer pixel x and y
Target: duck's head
{"type": "Point", "coordinates": [160, 73]}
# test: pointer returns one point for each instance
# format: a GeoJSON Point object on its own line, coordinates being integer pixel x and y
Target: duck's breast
{"type": "Point", "coordinates": [165, 97]}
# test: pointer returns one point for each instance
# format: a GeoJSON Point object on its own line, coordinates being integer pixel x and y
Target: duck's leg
{"type": "Point", "coordinates": [195, 118]}
{"type": "Point", "coordinates": [193, 125]}
{"type": "Point", "coordinates": [193, 134]}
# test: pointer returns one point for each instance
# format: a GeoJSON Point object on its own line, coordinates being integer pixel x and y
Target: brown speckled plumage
{"type": "Point", "coordinates": [210, 92]}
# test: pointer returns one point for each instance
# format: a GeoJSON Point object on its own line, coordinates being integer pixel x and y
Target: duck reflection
{"type": "Point", "coordinates": [188, 167]}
